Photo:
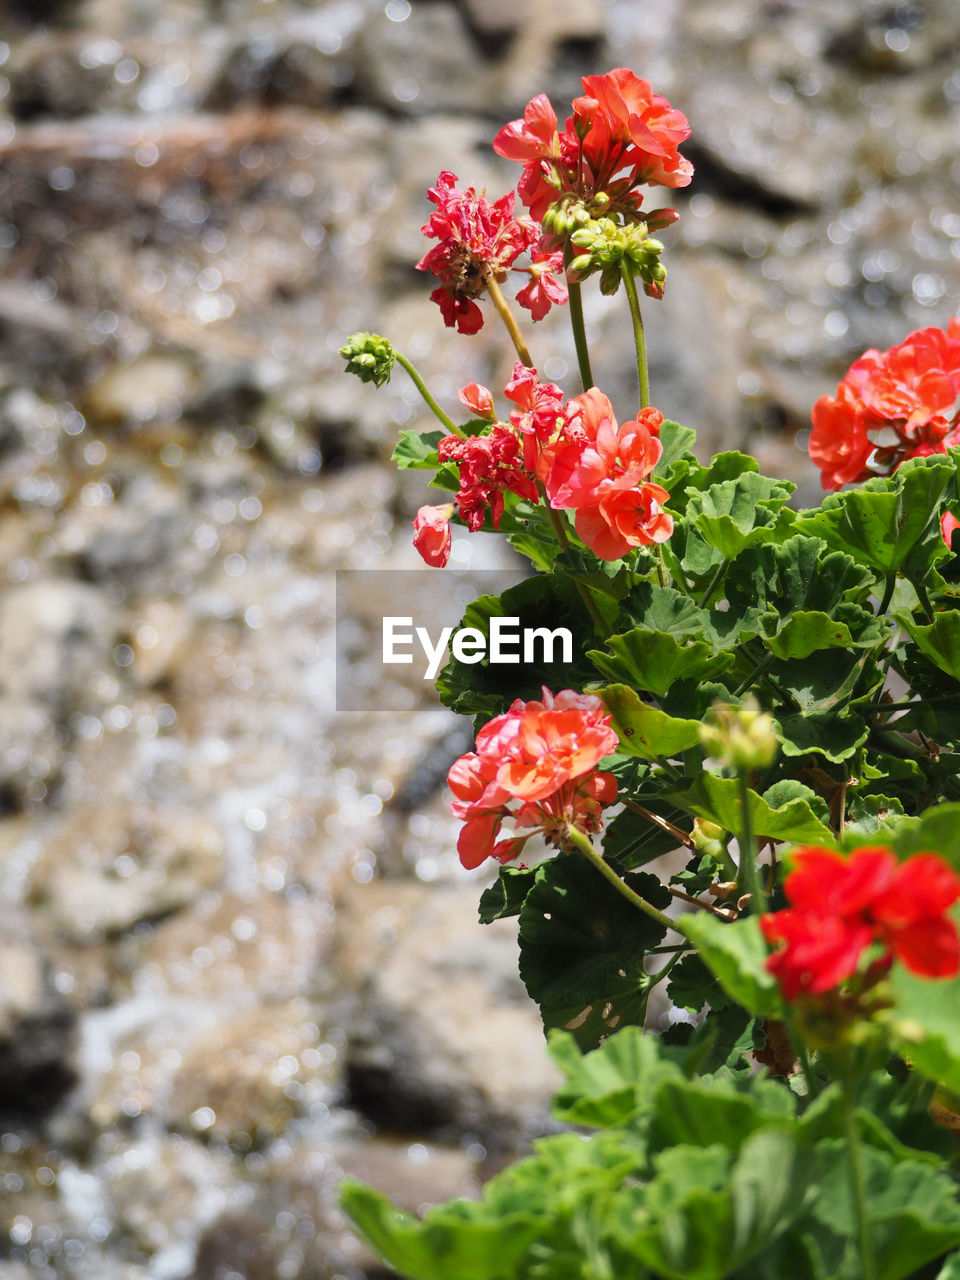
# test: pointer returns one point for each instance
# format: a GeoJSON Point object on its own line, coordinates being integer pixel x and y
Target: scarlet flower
{"type": "Point", "coordinates": [478, 399]}
{"type": "Point", "coordinates": [431, 534]}
{"type": "Point", "coordinates": [488, 464]}
{"type": "Point", "coordinates": [840, 906]}
{"type": "Point", "coordinates": [619, 125]}
{"type": "Point", "coordinates": [633, 114]}
{"type": "Point", "coordinates": [478, 240]}
{"type": "Point", "coordinates": [544, 755]}
{"type": "Point", "coordinates": [906, 396]}
{"type": "Point", "coordinates": [597, 469]}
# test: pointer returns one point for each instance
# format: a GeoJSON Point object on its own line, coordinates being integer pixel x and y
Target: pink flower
{"type": "Point", "coordinates": [541, 410]}
{"type": "Point", "coordinates": [544, 755]}
{"type": "Point", "coordinates": [909, 394]}
{"type": "Point", "coordinates": [597, 469]}
{"type": "Point", "coordinates": [547, 285]}
{"type": "Point", "coordinates": [431, 534]}
{"type": "Point", "coordinates": [949, 524]}
{"type": "Point", "coordinates": [478, 400]}
{"type": "Point", "coordinates": [478, 240]}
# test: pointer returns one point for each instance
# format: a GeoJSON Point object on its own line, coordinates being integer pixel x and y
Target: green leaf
{"type": "Point", "coordinates": [505, 897]}
{"type": "Point", "coordinates": [940, 641]}
{"type": "Point", "coordinates": [937, 829]}
{"type": "Point", "coordinates": [912, 1210]}
{"type": "Point", "coordinates": [950, 1269]}
{"type": "Point", "coordinates": [736, 514]}
{"type": "Point", "coordinates": [924, 1024]}
{"type": "Point", "coordinates": [676, 442]}
{"type": "Point", "coordinates": [612, 1083]}
{"type": "Point", "coordinates": [736, 954]}
{"type": "Point", "coordinates": [653, 660]}
{"type": "Point", "coordinates": [710, 1220]}
{"type": "Point", "coordinates": [446, 1246]}
{"type": "Point", "coordinates": [417, 450]}
{"type": "Point", "coordinates": [582, 947]}
{"type": "Point", "coordinates": [644, 730]}
{"type": "Point", "coordinates": [665, 609]}
{"type": "Point", "coordinates": [691, 985]}
{"type": "Point", "coordinates": [630, 840]}
{"type": "Point", "coordinates": [718, 800]}
{"type": "Point", "coordinates": [872, 813]}
{"type": "Point", "coordinates": [882, 522]}
{"type": "Point", "coordinates": [704, 1111]}
{"type": "Point", "coordinates": [806, 631]}
{"type": "Point", "coordinates": [795, 576]}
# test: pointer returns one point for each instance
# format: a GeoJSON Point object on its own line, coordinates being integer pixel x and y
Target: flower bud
{"type": "Point", "coordinates": [740, 737]}
{"type": "Point", "coordinates": [580, 267]}
{"type": "Point", "coordinates": [369, 356]}
{"type": "Point", "coordinates": [707, 837]}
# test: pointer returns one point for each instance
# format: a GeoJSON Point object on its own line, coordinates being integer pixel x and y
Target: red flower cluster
{"type": "Point", "coordinates": [840, 906]}
{"type": "Point", "coordinates": [544, 755]}
{"type": "Point", "coordinates": [488, 465]}
{"type": "Point", "coordinates": [597, 469]}
{"type": "Point", "coordinates": [478, 240]}
{"type": "Point", "coordinates": [908, 395]}
{"type": "Point", "coordinates": [619, 127]}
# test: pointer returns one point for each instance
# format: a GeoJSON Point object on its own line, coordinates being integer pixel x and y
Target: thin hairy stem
{"type": "Point", "coordinates": [576, 323]}
{"type": "Point", "coordinates": [506, 315]}
{"type": "Point", "coordinates": [582, 842]}
{"type": "Point", "coordinates": [431, 404]}
{"type": "Point", "coordinates": [639, 338]}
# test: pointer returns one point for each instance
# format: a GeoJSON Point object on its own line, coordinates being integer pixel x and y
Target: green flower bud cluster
{"type": "Point", "coordinates": [569, 213]}
{"type": "Point", "coordinates": [369, 356]}
{"type": "Point", "coordinates": [740, 737]}
{"type": "Point", "coordinates": [605, 245]}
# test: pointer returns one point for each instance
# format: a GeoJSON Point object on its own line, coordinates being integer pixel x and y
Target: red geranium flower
{"type": "Point", "coordinates": [890, 406]}
{"type": "Point", "coordinates": [488, 464]}
{"type": "Point", "coordinates": [621, 135]}
{"type": "Point", "coordinates": [477, 240]}
{"type": "Point", "coordinates": [431, 534]}
{"type": "Point", "coordinates": [839, 906]}
{"type": "Point", "coordinates": [544, 755]}
{"type": "Point", "coordinates": [597, 469]}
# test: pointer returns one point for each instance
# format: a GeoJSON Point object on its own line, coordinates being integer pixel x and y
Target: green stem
{"type": "Point", "coordinates": [887, 593]}
{"type": "Point", "coordinates": [748, 851]}
{"type": "Point", "coordinates": [431, 404]}
{"type": "Point", "coordinates": [921, 591]}
{"type": "Point", "coordinates": [639, 337]}
{"type": "Point", "coordinates": [506, 315]}
{"type": "Point", "coordinates": [755, 674]}
{"type": "Point", "coordinates": [576, 323]}
{"type": "Point", "coordinates": [577, 838]}
{"type": "Point", "coordinates": [714, 582]}
{"type": "Point", "coordinates": [855, 1171]}
{"type": "Point", "coordinates": [560, 533]}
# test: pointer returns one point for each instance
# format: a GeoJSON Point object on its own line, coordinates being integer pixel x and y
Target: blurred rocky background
{"type": "Point", "coordinates": [237, 957]}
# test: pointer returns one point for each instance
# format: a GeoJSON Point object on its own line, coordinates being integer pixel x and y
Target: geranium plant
{"type": "Point", "coordinates": [773, 691]}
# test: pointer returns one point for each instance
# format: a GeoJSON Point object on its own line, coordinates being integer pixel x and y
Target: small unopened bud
{"type": "Point", "coordinates": [707, 837]}
{"type": "Point", "coordinates": [741, 737]}
{"type": "Point", "coordinates": [580, 267]}
{"type": "Point", "coordinates": [369, 356]}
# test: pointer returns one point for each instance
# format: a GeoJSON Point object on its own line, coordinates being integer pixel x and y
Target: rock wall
{"type": "Point", "coordinates": [236, 952]}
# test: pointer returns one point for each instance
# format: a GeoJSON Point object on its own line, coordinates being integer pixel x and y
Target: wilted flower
{"type": "Point", "coordinates": [478, 241]}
